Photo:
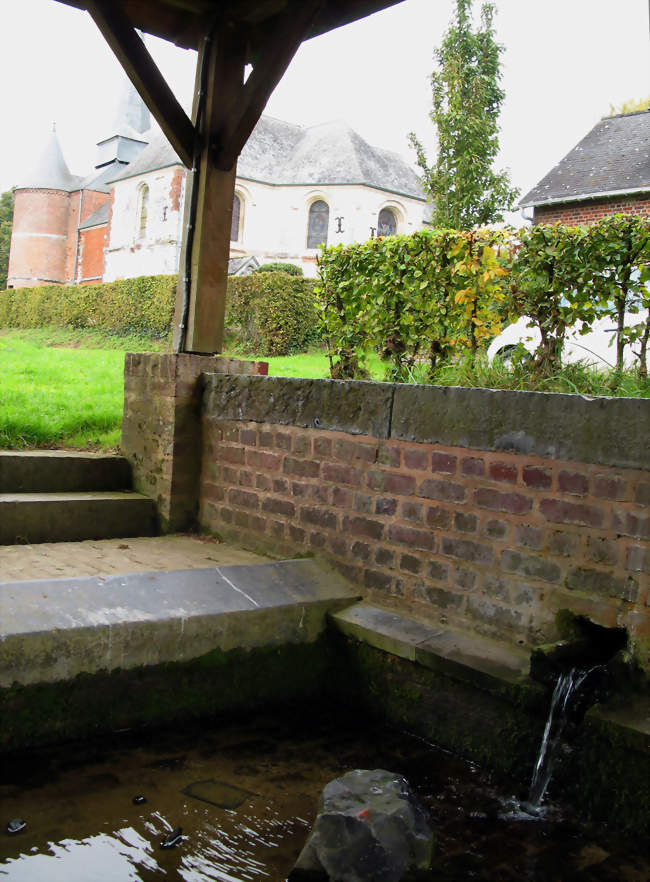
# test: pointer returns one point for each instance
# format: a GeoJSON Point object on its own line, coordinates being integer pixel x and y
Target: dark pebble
{"type": "Point", "coordinates": [173, 839]}
{"type": "Point", "coordinates": [15, 826]}
{"type": "Point", "coordinates": [139, 800]}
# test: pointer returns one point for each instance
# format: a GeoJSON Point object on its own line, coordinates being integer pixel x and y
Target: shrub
{"type": "Point", "coordinates": [279, 267]}
{"type": "Point", "coordinates": [142, 306]}
{"type": "Point", "coordinates": [271, 313]}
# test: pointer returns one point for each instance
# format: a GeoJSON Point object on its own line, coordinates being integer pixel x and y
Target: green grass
{"type": "Point", "coordinates": [61, 388]}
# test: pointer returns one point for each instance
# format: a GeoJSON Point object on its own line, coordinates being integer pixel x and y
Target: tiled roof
{"type": "Point", "coordinates": [281, 153]}
{"type": "Point", "coordinates": [614, 158]}
{"type": "Point", "coordinates": [51, 171]}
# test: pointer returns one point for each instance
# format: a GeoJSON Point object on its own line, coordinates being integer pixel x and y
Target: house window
{"type": "Point", "coordinates": [319, 218]}
{"type": "Point", "coordinates": [143, 207]}
{"type": "Point", "coordinates": [236, 216]}
{"type": "Point", "coordinates": [387, 223]}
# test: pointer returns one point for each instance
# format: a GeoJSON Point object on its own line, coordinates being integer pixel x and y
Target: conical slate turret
{"type": "Point", "coordinates": [51, 171]}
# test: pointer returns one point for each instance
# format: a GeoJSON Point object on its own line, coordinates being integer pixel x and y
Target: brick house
{"type": "Point", "coordinates": [606, 173]}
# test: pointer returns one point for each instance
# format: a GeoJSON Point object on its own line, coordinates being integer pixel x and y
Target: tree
{"type": "Point", "coordinates": [462, 185]}
{"type": "Point", "coordinates": [631, 106]}
{"type": "Point", "coordinates": [6, 221]}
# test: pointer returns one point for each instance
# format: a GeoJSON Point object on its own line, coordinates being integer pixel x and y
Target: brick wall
{"type": "Point", "coordinates": [589, 211]}
{"type": "Point", "coordinates": [472, 509]}
{"type": "Point", "coordinates": [39, 237]}
{"type": "Point", "coordinates": [91, 254]}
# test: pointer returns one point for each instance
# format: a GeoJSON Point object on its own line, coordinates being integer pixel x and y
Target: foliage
{"type": "Point", "coordinates": [278, 267]}
{"type": "Point", "coordinates": [462, 185]}
{"type": "Point", "coordinates": [413, 298]}
{"type": "Point", "coordinates": [424, 300]}
{"type": "Point", "coordinates": [273, 313]}
{"type": "Point", "coordinates": [6, 222]}
{"type": "Point", "coordinates": [142, 306]}
{"type": "Point", "coordinates": [630, 106]}
{"type": "Point", "coordinates": [620, 257]}
{"type": "Point", "coordinates": [551, 281]}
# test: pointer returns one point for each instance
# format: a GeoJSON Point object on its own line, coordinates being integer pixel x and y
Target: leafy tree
{"type": "Point", "coordinates": [630, 106]}
{"type": "Point", "coordinates": [6, 221]}
{"type": "Point", "coordinates": [464, 188]}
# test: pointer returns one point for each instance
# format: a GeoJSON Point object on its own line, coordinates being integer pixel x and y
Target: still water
{"type": "Point", "coordinates": [245, 795]}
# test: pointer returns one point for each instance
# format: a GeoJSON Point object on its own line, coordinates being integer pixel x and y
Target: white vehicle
{"type": "Point", "coordinates": [596, 348]}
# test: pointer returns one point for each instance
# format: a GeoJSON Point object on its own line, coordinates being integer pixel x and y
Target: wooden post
{"type": "Point", "coordinates": [210, 237]}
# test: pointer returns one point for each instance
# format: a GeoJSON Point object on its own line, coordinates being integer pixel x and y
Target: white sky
{"type": "Point", "coordinates": [565, 62]}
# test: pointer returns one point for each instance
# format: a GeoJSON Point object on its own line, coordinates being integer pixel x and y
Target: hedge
{"type": "Point", "coordinates": [144, 306]}
{"type": "Point", "coordinates": [270, 313]}
{"type": "Point", "coordinates": [435, 294]}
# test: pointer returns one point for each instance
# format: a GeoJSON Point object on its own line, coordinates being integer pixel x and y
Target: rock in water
{"type": "Point", "coordinates": [369, 826]}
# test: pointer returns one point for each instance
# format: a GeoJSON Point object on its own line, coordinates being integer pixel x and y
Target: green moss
{"type": "Point", "coordinates": [216, 682]}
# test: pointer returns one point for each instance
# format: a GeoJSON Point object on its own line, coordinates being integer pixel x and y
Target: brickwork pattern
{"type": "Point", "coordinates": [494, 541]}
{"type": "Point", "coordinates": [38, 244]}
{"type": "Point", "coordinates": [589, 211]}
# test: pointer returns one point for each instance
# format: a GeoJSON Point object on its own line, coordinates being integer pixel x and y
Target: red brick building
{"type": "Point", "coordinates": [60, 219]}
{"type": "Point", "coordinates": [607, 173]}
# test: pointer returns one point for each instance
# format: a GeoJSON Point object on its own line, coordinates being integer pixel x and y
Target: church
{"type": "Point", "coordinates": [296, 188]}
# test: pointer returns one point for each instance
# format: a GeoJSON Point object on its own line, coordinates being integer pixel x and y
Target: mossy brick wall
{"type": "Point", "coordinates": [474, 508]}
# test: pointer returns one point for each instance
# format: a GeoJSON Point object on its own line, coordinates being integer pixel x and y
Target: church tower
{"type": "Point", "coordinates": [41, 221]}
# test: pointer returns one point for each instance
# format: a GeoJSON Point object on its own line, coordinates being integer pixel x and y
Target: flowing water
{"type": "Point", "coordinates": [566, 689]}
{"type": "Point", "coordinates": [245, 795]}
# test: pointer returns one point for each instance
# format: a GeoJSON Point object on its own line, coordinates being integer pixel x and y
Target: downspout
{"type": "Point", "coordinates": [191, 185]}
{"type": "Point", "coordinates": [76, 247]}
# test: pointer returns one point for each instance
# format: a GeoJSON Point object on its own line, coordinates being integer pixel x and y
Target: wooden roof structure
{"type": "Point", "coordinates": [228, 35]}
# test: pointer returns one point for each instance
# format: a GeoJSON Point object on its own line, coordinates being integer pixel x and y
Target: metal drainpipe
{"type": "Point", "coordinates": [191, 184]}
{"type": "Point", "coordinates": [76, 247]}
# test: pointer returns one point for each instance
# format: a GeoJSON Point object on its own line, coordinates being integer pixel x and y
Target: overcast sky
{"type": "Point", "coordinates": [565, 62]}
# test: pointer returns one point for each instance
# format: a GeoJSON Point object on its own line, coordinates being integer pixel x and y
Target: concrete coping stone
{"type": "Point", "coordinates": [612, 431]}
{"type": "Point", "coordinates": [54, 629]}
{"type": "Point", "coordinates": [466, 657]}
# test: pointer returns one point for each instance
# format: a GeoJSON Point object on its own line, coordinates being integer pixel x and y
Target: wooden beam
{"type": "Point", "coordinates": [281, 43]}
{"type": "Point", "coordinates": [215, 189]}
{"type": "Point", "coordinates": [141, 69]}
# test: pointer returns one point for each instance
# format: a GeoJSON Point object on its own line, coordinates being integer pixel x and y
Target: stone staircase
{"type": "Point", "coordinates": [62, 496]}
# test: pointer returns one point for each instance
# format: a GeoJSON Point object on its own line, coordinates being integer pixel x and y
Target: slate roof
{"type": "Point", "coordinates": [282, 153]}
{"type": "Point", "coordinates": [51, 171]}
{"type": "Point", "coordinates": [97, 218]}
{"type": "Point", "coordinates": [613, 159]}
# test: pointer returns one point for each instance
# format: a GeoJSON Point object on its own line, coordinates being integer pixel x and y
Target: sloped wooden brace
{"type": "Point", "coordinates": [280, 45]}
{"type": "Point", "coordinates": [141, 69]}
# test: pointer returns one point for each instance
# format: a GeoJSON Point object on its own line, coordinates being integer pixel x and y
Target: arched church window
{"type": "Point", "coordinates": [387, 223]}
{"type": "Point", "coordinates": [236, 217]}
{"type": "Point", "coordinates": [319, 219]}
{"type": "Point", "coordinates": [143, 208]}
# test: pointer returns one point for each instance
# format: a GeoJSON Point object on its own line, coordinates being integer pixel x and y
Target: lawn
{"type": "Point", "coordinates": [61, 388]}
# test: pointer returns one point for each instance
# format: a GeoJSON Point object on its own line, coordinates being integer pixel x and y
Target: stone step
{"type": "Point", "coordinates": [53, 471]}
{"type": "Point", "coordinates": [61, 517]}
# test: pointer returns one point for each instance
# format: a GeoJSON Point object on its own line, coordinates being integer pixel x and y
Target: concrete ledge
{"type": "Point", "coordinates": [53, 630]}
{"type": "Point", "coordinates": [606, 430]}
{"type": "Point", "coordinates": [464, 657]}
{"type": "Point", "coordinates": [356, 407]}
{"type": "Point", "coordinates": [612, 431]}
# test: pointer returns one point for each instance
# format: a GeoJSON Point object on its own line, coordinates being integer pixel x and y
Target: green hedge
{"type": "Point", "coordinates": [270, 313]}
{"type": "Point", "coordinates": [279, 267]}
{"type": "Point", "coordinates": [143, 306]}
{"type": "Point", "coordinates": [436, 294]}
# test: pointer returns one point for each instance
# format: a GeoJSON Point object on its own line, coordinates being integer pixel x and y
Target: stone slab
{"type": "Point", "coordinates": [51, 471]}
{"type": "Point", "coordinates": [59, 517]}
{"type": "Point", "coordinates": [55, 629]}
{"type": "Point", "coordinates": [466, 657]}
{"type": "Point", "coordinates": [356, 407]}
{"type": "Point", "coordinates": [613, 431]}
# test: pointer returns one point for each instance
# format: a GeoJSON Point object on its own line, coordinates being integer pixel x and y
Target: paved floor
{"type": "Point", "coordinates": [51, 560]}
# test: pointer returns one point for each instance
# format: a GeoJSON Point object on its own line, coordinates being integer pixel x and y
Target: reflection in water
{"type": "Point", "coordinates": [246, 796]}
